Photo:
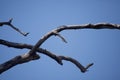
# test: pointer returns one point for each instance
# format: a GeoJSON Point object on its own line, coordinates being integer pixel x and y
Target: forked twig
{"type": "Point", "coordinates": [12, 26]}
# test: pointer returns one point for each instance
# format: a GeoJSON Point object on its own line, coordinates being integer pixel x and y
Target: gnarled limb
{"type": "Point", "coordinates": [30, 55]}
{"type": "Point", "coordinates": [17, 60]}
{"type": "Point", "coordinates": [72, 27]}
{"type": "Point", "coordinates": [40, 50]}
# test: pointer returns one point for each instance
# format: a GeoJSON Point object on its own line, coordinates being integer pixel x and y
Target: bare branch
{"type": "Point", "coordinates": [44, 51]}
{"type": "Point", "coordinates": [89, 26]}
{"type": "Point", "coordinates": [57, 34]}
{"type": "Point", "coordinates": [72, 27]}
{"type": "Point", "coordinates": [9, 24]}
{"type": "Point", "coordinates": [31, 55]}
{"type": "Point", "coordinates": [17, 60]}
{"type": "Point", "coordinates": [81, 67]}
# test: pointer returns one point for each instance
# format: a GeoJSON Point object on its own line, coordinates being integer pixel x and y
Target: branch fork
{"type": "Point", "coordinates": [60, 36]}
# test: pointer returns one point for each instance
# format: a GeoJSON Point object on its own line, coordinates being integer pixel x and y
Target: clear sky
{"type": "Point", "coordinates": [101, 47]}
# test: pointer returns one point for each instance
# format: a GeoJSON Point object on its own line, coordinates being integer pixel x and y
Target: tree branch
{"type": "Point", "coordinates": [40, 50]}
{"type": "Point", "coordinates": [12, 26]}
{"type": "Point", "coordinates": [62, 38]}
{"type": "Point", "coordinates": [72, 27]}
{"type": "Point", "coordinates": [32, 53]}
{"type": "Point", "coordinates": [17, 60]}
{"type": "Point", "coordinates": [81, 67]}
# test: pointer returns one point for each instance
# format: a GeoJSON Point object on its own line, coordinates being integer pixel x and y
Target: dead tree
{"type": "Point", "coordinates": [35, 49]}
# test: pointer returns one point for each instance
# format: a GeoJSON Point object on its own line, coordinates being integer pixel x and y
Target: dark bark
{"type": "Point", "coordinates": [9, 23]}
{"type": "Point", "coordinates": [32, 55]}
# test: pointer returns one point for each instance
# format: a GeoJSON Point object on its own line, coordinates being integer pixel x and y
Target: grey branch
{"type": "Point", "coordinates": [12, 26]}
{"type": "Point", "coordinates": [5, 66]}
{"type": "Point", "coordinates": [30, 55]}
{"type": "Point", "coordinates": [57, 34]}
{"type": "Point", "coordinates": [17, 60]}
{"type": "Point", "coordinates": [72, 27]}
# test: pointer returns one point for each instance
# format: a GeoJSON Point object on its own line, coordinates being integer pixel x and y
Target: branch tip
{"type": "Point", "coordinates": [89, 65]}
{"type": "Point", "coordinates": [10, 20]}
{"type": "Point", "coordinates": [62, 38]}
{"type": "Point", "coordinates": [57, 34]}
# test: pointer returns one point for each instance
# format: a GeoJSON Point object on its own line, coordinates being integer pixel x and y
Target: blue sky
{"type": "Point", "coordinates": [40, 16]}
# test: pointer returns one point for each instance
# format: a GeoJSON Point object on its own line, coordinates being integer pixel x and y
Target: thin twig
{"type": "Point", "coordinates": [9, 23]}
{"type": "Point", "coordinates": [57, 34]}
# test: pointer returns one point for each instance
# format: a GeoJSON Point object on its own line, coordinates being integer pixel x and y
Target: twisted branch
{"type": "Point", "coordinates": [72, 27]}
{"type": "Point", "coordinates": [30, 55]}
{"type": "Point", "coordinates": [27, 58]}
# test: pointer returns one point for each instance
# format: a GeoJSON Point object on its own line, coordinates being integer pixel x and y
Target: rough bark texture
{"type": "Point", "coordinates": [32, 55]}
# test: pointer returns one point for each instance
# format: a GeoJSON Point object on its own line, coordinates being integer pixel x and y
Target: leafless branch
{"type": "Point", "coordinates": [40, 50]}
{"type": "Point", "coordinates": [17, 60]}
{"type": "Point", "coordinates": [12, 26]}
{"type": "Point", "coordinates": [57, 34]}
{"type": "Point", "coordinates": [31, 55]}
{"type": "Point", "coordinates": [72, 27]}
